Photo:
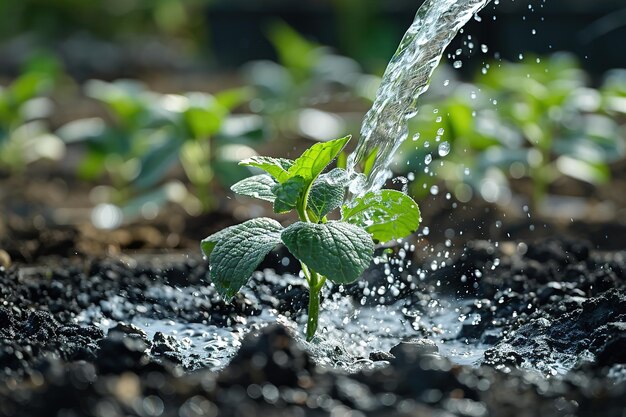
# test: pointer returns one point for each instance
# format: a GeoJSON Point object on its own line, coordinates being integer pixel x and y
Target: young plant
{"type": "Point", "coordinates": [337, 250]}
{"type": "Point", "coordinates": [151, 132]}
{"type": "Point", "coordinates": [25, 107]}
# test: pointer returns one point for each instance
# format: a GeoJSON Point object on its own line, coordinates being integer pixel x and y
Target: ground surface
{"type": "Point", "coordinates": [547, 319]}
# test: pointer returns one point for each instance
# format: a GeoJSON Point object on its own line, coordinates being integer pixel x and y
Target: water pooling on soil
{"type": "Point", "coordinates": [350, 331]}
{"type": "Point", "coordinates": [520, 313]}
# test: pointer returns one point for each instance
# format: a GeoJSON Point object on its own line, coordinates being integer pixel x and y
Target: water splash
{"type": "Point", "coordinates": [349, 331]}
{"type": "Point", "coordinates": [406, 78]}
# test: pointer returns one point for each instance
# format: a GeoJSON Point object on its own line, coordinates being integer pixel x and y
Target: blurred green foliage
{"type": "Point", "coordinates": [24, 108]}
{"type": "Point", "coordinates": [363, 34]}
{"type": "Point", "coordinates": [113, 19]}
{"type": "Point", "coordinates": [306, 75]}
{"type": "Point", "coordinates": [150, 133]}
{"type": "Point", "coordinates": [536, 119]}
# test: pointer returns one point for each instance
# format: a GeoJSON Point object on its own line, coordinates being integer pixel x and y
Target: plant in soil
{"type": "Point", "coordinates": [335, 250]}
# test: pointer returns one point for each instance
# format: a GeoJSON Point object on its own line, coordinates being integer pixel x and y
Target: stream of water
{"type": "Point", "coordinates": [406, 78]}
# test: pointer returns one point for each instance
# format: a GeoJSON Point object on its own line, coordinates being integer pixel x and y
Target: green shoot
{"type": "Point", "coordinates": [334, 250]}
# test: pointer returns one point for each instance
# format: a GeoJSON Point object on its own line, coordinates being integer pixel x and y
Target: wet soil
{"type": "Point", "coordinates": [548, 320]}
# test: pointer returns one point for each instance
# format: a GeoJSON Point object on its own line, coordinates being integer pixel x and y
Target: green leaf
{"type": "Point", "coordinates": [287, 194]}
{"type": "Point", "coordinates": [368, 164]}
{"type": "Point", "coordinates": [125, 98]}
{"type": "Point", "coordinates": [294, 52]}
{"type": "Point", "coordinates": [202, 122]}
{"type": "Point", "coordinates": [238, 252]}
{"type": "Point", "coordinates": [276, 167]}
{"type": "Point", "coordinates": [234, 97]}
{"type": "Point", "coordinates": [327, 192]}
{"type": "Point", "coordinates": [588, 171]}
{"type": "Point", "coordinates": [158, 160]}
{"type": "Point", "coordinates": [91, 166]}
{"type": "Point", "coordinates": [204, 116]}
{"type": "Point", "coordinates": [385, 214]}
{"type": "Point", "coordinates": [208, 243]}
{"type": "Point", "coordinates": [313, 161]}
{"type": "Point", "coordinates": [342, 160]}
{"type": "Point", "coordinates": [339, 251]}
{"type": "Point", "coordinates": [257, 186]}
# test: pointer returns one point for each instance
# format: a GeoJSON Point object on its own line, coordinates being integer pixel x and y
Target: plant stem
{"type": "Point", "coordinates": [314, 310]}
{"type": "Point", "coordinates": [315, 281]}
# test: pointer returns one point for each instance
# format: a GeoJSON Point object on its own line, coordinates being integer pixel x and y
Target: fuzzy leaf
{"type": "Point", "coordinates": [313, 161]}
{"type": "Point", "coordinates": [385, 214]}
{"type": "Point", "coordinates": [287, 194]}
{"type": "Point", "coordinates": [276, 167]}
{"type": "Point", "coordinates": [327, 192]}
{"type": "Point", "coordinates": [257, 186]}
{"type": "Point", "coordinates": [339, 251]}
{"type": "Point", "coordinates": [208, 243]}
{"type": "Point", "coordinates": [238, 252]}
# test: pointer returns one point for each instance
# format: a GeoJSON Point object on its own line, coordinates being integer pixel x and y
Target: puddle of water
{"type": "Point", "coordinates": [349, 332]}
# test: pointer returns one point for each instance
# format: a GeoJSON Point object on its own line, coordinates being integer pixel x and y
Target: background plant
{"type": "Point", "coordinates": [24, 109]}
{"type": "Point", "coordinates": [150, 133]}
{"type": "Point", "coordinates": [537, 120]}
{"type": "Point", "coordinates": [293, 91]}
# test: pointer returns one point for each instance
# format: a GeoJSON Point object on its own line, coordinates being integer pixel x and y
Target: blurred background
{"type": "Point", "coordinates": [129, 116]}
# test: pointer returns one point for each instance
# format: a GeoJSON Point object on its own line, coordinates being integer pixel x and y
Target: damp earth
{"type": "Point", "coordinates": [148, 335]}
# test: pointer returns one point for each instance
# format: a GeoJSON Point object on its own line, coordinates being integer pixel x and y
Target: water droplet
{"type": "Point", "coordinates": [457, 64]}
{"type": "Point", "coordinates": [443, 149]}
{"type": "Point", "coordinates": [428, 159]}
{"type": "Point", "coordinates": [484, 48]}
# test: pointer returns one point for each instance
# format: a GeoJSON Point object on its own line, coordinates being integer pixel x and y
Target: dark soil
{"type": "Point", "coordinates": [552, 315]}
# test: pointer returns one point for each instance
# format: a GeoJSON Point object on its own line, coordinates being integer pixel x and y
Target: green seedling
{"type": "Point", "coordinates": [150, 133]}
{"type": "Point", "coordinates": [335, 250]}
{"type": "Point", "coordinates": [532, 122]}
{"type": "Point", "coordinates": [25, 107]}
{"type": "Point", "coordinates": [289, 91]}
